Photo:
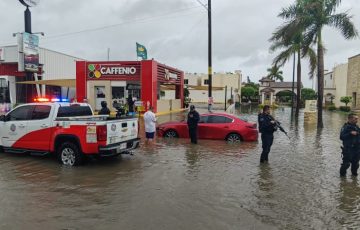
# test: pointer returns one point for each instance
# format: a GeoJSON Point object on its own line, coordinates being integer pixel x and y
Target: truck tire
{"type": "Point", "coordinates": [69, 154]}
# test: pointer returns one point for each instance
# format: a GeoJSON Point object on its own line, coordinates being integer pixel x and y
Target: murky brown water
{"type": "Point", "coordinates": [174, 185]}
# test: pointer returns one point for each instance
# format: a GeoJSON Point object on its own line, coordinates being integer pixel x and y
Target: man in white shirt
{"type": "Point", "coordinates": [231, 108]}
{"type": "Point", "coordinates": [150, 124]}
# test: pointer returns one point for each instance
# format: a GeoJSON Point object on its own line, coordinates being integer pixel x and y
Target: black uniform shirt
{"type": "Point", "coordinates": [349, 140]}
{"type": "Point", "coordinates": [194, 120]}
{"type": "Point", "coordinates": [265, 125]}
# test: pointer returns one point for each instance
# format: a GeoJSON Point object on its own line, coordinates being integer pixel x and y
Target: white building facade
{"type": "Point", "coordinates": [55, 66]}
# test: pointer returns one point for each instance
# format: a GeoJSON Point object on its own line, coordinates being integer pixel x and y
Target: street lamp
{"type": "Point", "coordinates": [28, 89]}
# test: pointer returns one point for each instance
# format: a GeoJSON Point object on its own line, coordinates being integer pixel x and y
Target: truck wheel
{"type": "Point", "coordinates": [69, 154]}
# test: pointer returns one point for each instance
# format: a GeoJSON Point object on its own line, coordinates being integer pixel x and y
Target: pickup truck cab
{"type": "Point", "coordinates": [69, 130]}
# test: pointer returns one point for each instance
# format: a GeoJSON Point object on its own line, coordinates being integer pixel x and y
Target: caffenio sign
{"type": "Point", "coordinates": [98, 71]}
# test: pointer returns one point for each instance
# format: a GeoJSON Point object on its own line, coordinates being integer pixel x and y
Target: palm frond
{"type": "Point", "coordinates": [343, 22]}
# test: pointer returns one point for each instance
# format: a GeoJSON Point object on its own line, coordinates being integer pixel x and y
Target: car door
{"type": "Point", "coordinates": [14, 127]}
{"type": "Point", "coordinates": [39, 129]}
{"type": "Point", "coordinates": [217, 127]}
{"type": "Point", "coordinates": [202, 127]}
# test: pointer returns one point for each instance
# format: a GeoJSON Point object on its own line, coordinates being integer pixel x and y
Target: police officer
{"type": "Point", "coordinates": [267, 127]}
{"type": "Point", "coordinates": [104, 109]}
{"type": "Point", "coordinates": [192, 122]}
{"type": "Point", "coordinates": [350, 134]}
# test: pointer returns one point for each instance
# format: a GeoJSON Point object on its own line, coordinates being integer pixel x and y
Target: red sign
{"type": "Point", "coordinates": [99, 71]}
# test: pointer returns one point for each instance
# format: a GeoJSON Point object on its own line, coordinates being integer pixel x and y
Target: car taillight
{"type": "Point", "coordinates": [252, 126]}
{"type": "Point", "coordinates": [101, 132]}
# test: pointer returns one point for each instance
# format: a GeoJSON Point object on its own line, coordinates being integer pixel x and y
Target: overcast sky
{"type": "Point", "coordinates": [173, 31]}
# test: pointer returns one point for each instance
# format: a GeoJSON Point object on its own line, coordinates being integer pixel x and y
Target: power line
{"type": "Point", "coordinates": [111, 26]}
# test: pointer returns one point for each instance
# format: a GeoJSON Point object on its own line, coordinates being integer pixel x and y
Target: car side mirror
{"type": "Point", "coordinates": [2, 118]}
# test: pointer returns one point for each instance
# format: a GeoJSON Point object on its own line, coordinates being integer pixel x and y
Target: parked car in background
{"type": "Point", "coordinates": [215, 126]}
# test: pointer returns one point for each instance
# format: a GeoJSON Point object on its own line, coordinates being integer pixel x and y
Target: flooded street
{"type": "Point", "coordinates": [174, 185]}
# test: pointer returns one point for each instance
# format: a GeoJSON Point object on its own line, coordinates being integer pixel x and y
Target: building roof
{"type": "Point", "coordinates": [266, 79]}
{"type": "Point", "coordinates": [284, 84]}
{"type": "Point", "coordinates": [267, 90]}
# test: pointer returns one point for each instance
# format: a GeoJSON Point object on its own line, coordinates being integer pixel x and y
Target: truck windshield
{"type": "Point", "coordinates": [74, 111]}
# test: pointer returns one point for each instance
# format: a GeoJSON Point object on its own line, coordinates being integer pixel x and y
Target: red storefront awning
{"type": "Point", "coordinates": [11, 69]}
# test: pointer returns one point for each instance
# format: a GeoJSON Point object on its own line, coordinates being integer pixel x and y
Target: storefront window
{"type": "Point", "coordinates": [4, 91]}
{"type": "Point", "coordinates": [118, 92]}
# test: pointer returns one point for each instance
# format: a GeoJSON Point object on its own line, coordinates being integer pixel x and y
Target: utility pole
{"type": "Point", "coordinates": [209, 54]}
{"type": "Point", "coordinates": [28, 92]}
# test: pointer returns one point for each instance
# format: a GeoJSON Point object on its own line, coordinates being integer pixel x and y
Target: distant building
{"type": "Point", "coordinates": [353, 81]}
{"type": "Point", "coordinates": [197, 84]}
{"type": "Point", "coordinates": [269, 90]}
{"type": "Point", "coordinates": [54, 66]}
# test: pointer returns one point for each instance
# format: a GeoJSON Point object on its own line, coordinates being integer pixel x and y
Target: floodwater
{"type": "Point", "coordinates": [174, 185]}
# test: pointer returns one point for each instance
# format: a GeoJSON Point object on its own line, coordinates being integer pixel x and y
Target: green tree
{"type": "Point", "coordinates": [186, 92]}
{"type": "Point", "coordinates": [308, 94]}
{"type": "Point", "coordinates": [346, 100]}
{"type": "Point", "coordinates": [274, 73]}
{"type": "Point", "coordinates": [290, 39]}
{"type": "Point", "coordinates": [315, 15]}
{"type": "Point", "coordinates": [247, 92]}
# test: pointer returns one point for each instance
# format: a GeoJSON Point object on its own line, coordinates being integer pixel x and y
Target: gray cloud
{"type": "Point", "coordinates": [174, 32]}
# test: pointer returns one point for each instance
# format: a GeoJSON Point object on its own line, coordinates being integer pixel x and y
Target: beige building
{"type": "Point", "coordinates": [340, 81]}
{"type": "Point", "coordinates": [353, 83]}
{"type": "Point", "coordinates": [329, 87]}
{"type": "Point", "coordinates": [197, 85]}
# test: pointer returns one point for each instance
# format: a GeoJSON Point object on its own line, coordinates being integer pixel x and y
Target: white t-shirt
{"type": "Point", "coordinates": [231, 109]}
{"type": "Point", "coordinates": [150, 122]}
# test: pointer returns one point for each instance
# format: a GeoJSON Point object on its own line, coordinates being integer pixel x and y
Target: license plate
{"type": "Point", "coordinates": [121, 147]}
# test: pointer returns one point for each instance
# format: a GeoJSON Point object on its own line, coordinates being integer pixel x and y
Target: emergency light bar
{"type": "Point", "coordinates": [44, 99]}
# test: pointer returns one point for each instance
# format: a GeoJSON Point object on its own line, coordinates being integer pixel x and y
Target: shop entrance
{"type": "Point", "coordinates": [134, 90]}
{"type": "Point", "coordinates": [99, 96]}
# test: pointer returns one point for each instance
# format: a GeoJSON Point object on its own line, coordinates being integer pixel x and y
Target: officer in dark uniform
{"type": "Point", "coordinates": [192, 122]}
{"type": "Point", "coordinates": [104, 109]}
{"type": "Point", "coordinates": [350, 134]}
{"type": "Point", "coordinates": [267, 127]}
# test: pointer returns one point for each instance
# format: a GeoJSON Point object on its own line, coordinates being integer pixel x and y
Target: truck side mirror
{"type": "Point", "coordinates": [2, 118]}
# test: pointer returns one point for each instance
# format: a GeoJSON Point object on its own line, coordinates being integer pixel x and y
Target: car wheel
{"type": "Point", "coordinates": [69, 154]}
{"type": "Point", "coordinates": [233, 138]}
{"type": "Point", "coordinates": [171, 134]}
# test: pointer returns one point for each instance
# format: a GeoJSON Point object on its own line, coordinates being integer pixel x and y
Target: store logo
{"type": "Point", "coordinates": [96, 70]}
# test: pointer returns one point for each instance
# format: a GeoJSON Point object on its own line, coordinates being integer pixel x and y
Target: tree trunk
{"type": "Point", "coordinates": [298, 86]}
{"type": "Point", "coordinates": [320, 69]}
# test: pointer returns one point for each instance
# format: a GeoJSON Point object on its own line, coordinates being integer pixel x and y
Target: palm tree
{"type": "Point", "coordinates": [274, 73]}
{"type": "Point", "coordinates": [290, 39]}
{"type": "Point", "coordinates": [316, 14]}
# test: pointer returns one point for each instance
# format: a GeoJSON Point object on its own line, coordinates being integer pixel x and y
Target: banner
{"type": "Point", "coordinates": [31, 52]}
{"type": "Point", "coordinates": [141, 51]}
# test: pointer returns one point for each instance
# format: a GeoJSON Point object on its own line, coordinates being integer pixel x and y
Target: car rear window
{"type": "Point", "coordinates": [74, 111]}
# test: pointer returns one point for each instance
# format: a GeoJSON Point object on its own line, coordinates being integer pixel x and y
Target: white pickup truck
{"type": "Point", "coordinates": [69, 130]}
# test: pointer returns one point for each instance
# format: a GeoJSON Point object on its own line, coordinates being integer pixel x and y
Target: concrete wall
{"type": "Point", "coordinates": [340, 76]}
{"type": "Point", "coordinates": [353, 84]}
{"type": "Point", "coordinates": [231, 80]}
